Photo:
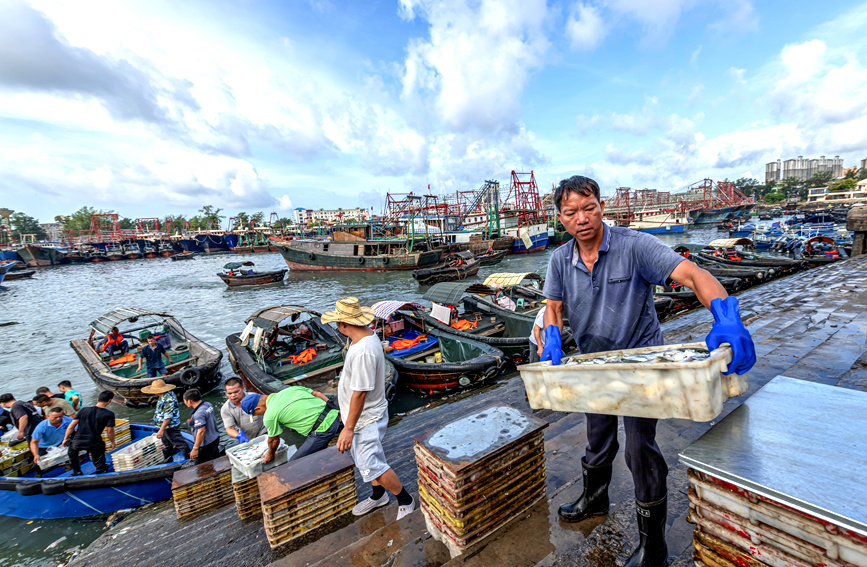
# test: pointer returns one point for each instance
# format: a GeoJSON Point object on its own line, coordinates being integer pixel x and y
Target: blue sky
{"type": "Point", "coordinates": [161, 107]}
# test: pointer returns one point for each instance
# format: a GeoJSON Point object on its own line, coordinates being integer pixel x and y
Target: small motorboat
{"type": "Point", "coordinates": [492, 257]}
{"type": "Point", "coordinates": [270, 355]}
{"type": "Point", "coordinates": [183, 256]}
{"type": "Point", "coordinates": [433, 361]}
{"type": "Point", "coordinates": [457, 266]}
{"type": "Point", "coordinates": [19, 275]}
{"type": "Point", "coordinates": [59, 495]}
{"type": "Point", "coordinates": [238, 274]}
{"type": "Point", "coordinates": [195, 364]}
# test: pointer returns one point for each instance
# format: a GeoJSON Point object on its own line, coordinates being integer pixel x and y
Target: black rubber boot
{"type": "Point", "coordinates": [652, 550]}
{"type": "Point", "coordinates": [594, 499]}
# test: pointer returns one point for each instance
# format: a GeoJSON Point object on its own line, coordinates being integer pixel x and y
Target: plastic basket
{"type": "Point", "coordinates": [257, 467]}
{"type": "Point", "coordinates": [661, 390]}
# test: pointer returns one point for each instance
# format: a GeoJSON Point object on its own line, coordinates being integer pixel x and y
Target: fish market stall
{"type": "Point", "coordinates": [780, 481]}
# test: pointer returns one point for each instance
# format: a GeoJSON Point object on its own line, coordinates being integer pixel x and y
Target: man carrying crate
{"type": "Point", "coordinates": [603, 283]}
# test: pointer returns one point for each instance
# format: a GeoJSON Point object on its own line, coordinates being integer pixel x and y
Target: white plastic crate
{"type": "Point", "coordinates": [53, 458]}
{"type": "Point", "coordinates": [143, 453]}
{"type": "Point", "coordinates": [662, 390]}
{"type": "Point", "coordinates": [257, 467]}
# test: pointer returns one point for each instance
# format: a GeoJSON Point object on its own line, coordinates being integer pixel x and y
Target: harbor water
{"type": "Point", "coordinates": [42, 315]}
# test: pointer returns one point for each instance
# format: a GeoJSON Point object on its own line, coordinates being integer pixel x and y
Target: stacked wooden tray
{"type": "Point", "coordinates": [122, 434]}
{"type": "Point", "coordinates": [246, 491]}
{"type": "Point", "coordinates": [203, 488]}
{"type": "Point", "coordinates": [306, 494]}
{"type": "Point", "coordinates": [244, 484]}
{"type": "Point", "coordinates": [478, 472]}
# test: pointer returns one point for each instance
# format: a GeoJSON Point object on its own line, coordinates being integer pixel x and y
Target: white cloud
{"type": "Point", "coordinates": [695, 94]}
{"type": "Point", "coordinates": [637, 122]}
{"type": "Point", "coordinates": [694, 57]}
{"type": "Point", "coordinates": [285, 203]}
{"type": "Point", "coordinates": [585, 27]}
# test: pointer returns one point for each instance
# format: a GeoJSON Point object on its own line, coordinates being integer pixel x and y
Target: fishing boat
{"type": "Point", "coordinates": [35, 255]}
{"type": "Point", "coordinates": [241, 273]}
{"type": "Point", "coordinates": [269, 354]}
{"type": "Point", "coordinates": [93, 253]}
{"type": "Point", "coordinates": [492, 257]}
{"type": "Point", "coordinates": [356, 249]}
{"type": "Point", "coordinates": [183, 256]}
{"type": "Point", "coordinates": [723, 251]}
{"type": "Point", "coordinates": [212, 242]}
{"type": "Point", "coordinates": [473, 241]}
{"type": "Point", "coordinates": [821, 250]}
{"type": "Point", "coordinates": [19, 274]}
{"type": "Point", "coordinates": [113, 252]}
{"type": "Point", "coordinates": [149, 250]}
{"type": "Point", "coordinates": [59, 495]}
{"type": "Point", "coordinates": [458, 266]}
{"type": "Point", "coordinates": [131, 251]}
{"type": "Point", "coordinates": [515, 300]}
{"type": "Point", "coordinates": [195, 364]}
{"type": "Point", "coordinates": [751, 275]}
{"type": "Point", "coordinates": [463, 362]}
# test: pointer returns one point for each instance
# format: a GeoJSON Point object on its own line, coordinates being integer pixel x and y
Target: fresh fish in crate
{"type": "Point", "coordinates": [251, 454]}
{"type": "Point", "coordinates": [672, 355]}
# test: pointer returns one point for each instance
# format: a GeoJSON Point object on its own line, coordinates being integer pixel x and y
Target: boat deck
{"type": "Point", "coordinates": [810, 326]}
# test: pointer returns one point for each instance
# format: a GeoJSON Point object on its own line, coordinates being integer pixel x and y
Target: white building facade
{"type": "Point", "coordinates": [305, 216]}
{"type": "Point", "coordinates": [802, 169]}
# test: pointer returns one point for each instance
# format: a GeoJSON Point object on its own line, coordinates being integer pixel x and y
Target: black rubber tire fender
{"type": "Point", "coordinates": [390, 391]}
{"type": "Point", "coordinates": [52, 487]}
{"type": "Point", "coordinates": [191, 376]}
{"type": "Point", "coordinates": [28, 488]}
{"type": "Point", "coordinates": [385, 260]}
{"type": "Point", "coordinates": [492, 372]}
{"type": "Point", "coordinates": [311, 256]}
{"type": "Point", "coordinates": [361, 259]}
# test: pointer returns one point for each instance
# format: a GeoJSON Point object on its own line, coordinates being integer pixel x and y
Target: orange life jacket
{"type": "Point", "coordinates": [303, 357]}
{"type": "Point", "coordinates": [401, 344]}
{"type": "Point", "coordinates": [464, 325]}
{"type": "Point", "coordinates": [110, 340]}
{"type": "Point", "coordinates": [123, 359]}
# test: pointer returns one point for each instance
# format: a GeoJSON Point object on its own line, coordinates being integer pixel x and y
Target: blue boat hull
{"type": "Point", "coordinates": [10, 255]}
{"type": "Point", "coordinates": [211, 244]}
{"type": "Point", "coordinates": [713, 216]}
{"type": "Point", "coordinates": [667, 229]}
{"type": "Point", "coordinates": [115, 491]}
{"type": "Point", "coordinates": [189, 245]}
{"type": "Point", "coordinates": [539, 243]}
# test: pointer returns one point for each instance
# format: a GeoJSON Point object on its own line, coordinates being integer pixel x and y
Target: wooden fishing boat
{"type": "Point", "coordinates": [131, 251]}
{"type": "Point", "coordinates": [268, 356]}
{"type": "Point", "coordinates": [750, 274]}
{"type": "Point", "coordinates": [59, 495]}
{"type": "Point", "coordinates": [19, 275]}
{"type": "Point", "coordinates": [457, 266]}
{"type": "Point", "coordinates": [492, 257]}
{"type": "Point", "coordinates": [241, 273]}
{"type": "Point", "coordinates": [463, 362]}
{"type": "Point", "coordinates": [195, 364]}
{"type": "Point", "coordinates": [357, 249]}
{"type": "Point", "coordinates": [149, 250]}
{"type": "Point", "coordinates": [39, 256]}
{"type": "Point", "coordinates": [819, 250]}
{"type": "Point", "coordinates": [113, 252]}
{"type": "Point", "coordinates": [724, 252]}
{"type": "Point", "coordinates": [183, 256]}
{"type": "Point", "coordinates": [515, 300]}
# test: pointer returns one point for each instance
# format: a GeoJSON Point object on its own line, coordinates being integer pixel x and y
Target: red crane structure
{"type": "Point", "coordinates": [104, 228]}
{"type": "Point", "coordinates": [524, 195]}
{"type": "Point", "coordinates": [144, 225]}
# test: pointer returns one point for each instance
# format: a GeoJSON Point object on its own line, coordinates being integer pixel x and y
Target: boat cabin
{"type": "Point", "coordinates": [239, 268]}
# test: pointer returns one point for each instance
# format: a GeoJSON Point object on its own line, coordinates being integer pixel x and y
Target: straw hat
{"type": "Point", "coordinates": [158, 386]}
{"type": "Point", "coordinates": [349, 311]}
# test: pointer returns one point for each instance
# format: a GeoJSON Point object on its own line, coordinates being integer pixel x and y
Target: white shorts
{"type": "Point", "coordinates": [367, 452]}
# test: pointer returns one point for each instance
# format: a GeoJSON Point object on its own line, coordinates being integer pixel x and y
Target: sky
{"type": "Point", "coordinates": [155, 108]}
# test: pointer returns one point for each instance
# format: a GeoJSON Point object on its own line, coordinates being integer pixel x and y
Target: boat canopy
{"type": "Point", "coordinates": [105, 323]}
{"type": "Point", "coordinates": [827, 239]}
{"type": "Point", "coordinates": [270, 317]}
{"type": "Point", "coordinates": [451, 292]}
{"type": "Point", "coordinates": [236, 265]}
{"type": "Point", "coordinates": [506, 279]}
{"type": "Point", "coordinates": [730, 242]}
{"type": "Point", "coordinates": [464, 254]}
{"type": "Point", "coordinates": [688, 247]}
{"type": "Point", "coordinates": [384, 309]}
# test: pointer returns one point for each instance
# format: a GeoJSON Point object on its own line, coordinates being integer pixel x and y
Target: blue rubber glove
{"type": "Point", "coordinates": [728, 328]}
{"type": "Point", "coordinates": [241, 438]}
{"type": "Point", "coordinates": [553, 350]}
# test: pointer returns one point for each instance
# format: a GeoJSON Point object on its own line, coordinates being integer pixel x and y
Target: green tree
{"type": "Point", "coordinates": [177, 222]}
{"type": "Point", "coordinates": [79, 221]}
{"type": "Point", "coordinates": [851, 173]}
{"type": "Point", "coordinates": [848, 184]}
{"type": "Point", "coordinates": [242, 220]}
{"type": "Point", "coordinates": [862, 173]}
{"type": "Point", "coordinates": [257, 218]}
{"type": "Point", "coordinates": [821, 178]}
{"type": "Point", "coordinates": [789, 186]}
{"type": "Point", "coordinates": [23, 224]}
{"type": "Point", "coordinates": [774, 198]}
{"type": "Point", "coordinates": [125, 223]}
{"type": "Point", "coordinates": [748, 185]}
{"type": "Point", "coordinates": [210, 215]}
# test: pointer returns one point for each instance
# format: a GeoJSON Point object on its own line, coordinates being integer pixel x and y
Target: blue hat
{"type": "Point", "coordinates": [249, 403]}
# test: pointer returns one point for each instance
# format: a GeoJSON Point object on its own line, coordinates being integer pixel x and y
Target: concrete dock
{"type": "Point", "coordinates": [811, 326]}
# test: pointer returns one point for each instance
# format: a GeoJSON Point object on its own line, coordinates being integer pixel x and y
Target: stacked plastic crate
{"type": "Point", "coordinates": [145, 452]}
{"type": "Point", "coordinates": [306, 494]}
{"type": "Point", "coordinates": [245, 472]}
{"type": "Point", "coordinates": [203, 488]}
{"type": "Point", "coordinates": [122, 434]}
{"type": "Point", "coordinates": [478, 472]}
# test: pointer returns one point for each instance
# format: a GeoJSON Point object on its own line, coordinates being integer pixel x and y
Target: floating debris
{"type": "Point", "coordinates": [672, 355]}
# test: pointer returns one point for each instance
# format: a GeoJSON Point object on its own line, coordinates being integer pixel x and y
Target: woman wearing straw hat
{"type": "Point", "coordinates": [168, 417]}
{"type": "Point", "coordinates": [363, 407]}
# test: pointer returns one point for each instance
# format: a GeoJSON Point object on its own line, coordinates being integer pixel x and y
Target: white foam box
{"type": "Point", "coordinates": [257, 467]}
{"type": "Point", "coordinates": [662, 390]}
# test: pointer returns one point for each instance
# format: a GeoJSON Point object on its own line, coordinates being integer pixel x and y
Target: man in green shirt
{"type": "Point", "coordinates": [302, 410]}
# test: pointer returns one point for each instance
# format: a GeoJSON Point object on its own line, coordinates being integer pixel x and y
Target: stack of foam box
{"type": "Point", "coordinates": [736, 527]}
{"type": "Point", "coordinates": [145, 452]}
{"type": "Point", "coordinates": [478, 473]}
{"type": "Point", "coordinates": [122, 434]}
{"type": "Point", "coordinates": [200, 489]}
{"type": "Point", "coordinates": [306, 494]}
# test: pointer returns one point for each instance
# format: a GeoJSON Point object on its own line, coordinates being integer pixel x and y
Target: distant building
{"type": "Point", "coordinates": [802, 169]}
{"type": "Point", "coordinates": [304, 216]}
{"type": "Point", "coordinates": [863, 164]}
{"type": "Point", "coordinates": [53, 230]}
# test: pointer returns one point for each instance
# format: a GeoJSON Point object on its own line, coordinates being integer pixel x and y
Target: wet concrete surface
{"type": "Point", "coordinates": [811, 326]}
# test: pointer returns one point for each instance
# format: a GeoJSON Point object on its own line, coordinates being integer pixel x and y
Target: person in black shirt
{"type": "Point", "coordinates": [47, 391]}
{"type": "Point", "coordinates": [91, 422]}
{"type": "Point", "coordinates": [24, 416]}
{"type": "Point", "coordinates": [153, 353]}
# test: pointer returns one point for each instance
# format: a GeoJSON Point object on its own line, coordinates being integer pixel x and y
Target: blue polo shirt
{"type": "Point", "coordinates": [48, 435]}
{"type": "Point", "coordinates": [612, 308]}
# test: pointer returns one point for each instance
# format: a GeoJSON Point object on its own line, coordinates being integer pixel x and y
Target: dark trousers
{"type": "Point", "coordinates": [209, 452]}
{"type": "Point", "coordinates": [124, 348]}
{"type": "Point", "coordinates": [317, 441]}
{"type": "Point", "coordinates": [174, 442]}
{"type": "Point", "coordinates": [643, 457]}
{"type": "Point", "coordinates": [95, 452]}
{"type": "Point", "coordinates": [534, 354]}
